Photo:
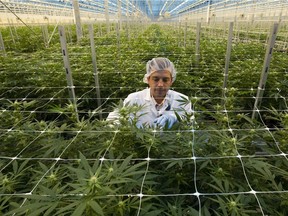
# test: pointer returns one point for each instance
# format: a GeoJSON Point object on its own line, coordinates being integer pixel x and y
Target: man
{"type": "Point", "coordinates": [158, 102]}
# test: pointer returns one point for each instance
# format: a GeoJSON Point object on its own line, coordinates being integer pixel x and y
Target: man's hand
{"type": "Point", "coordinates": [168, 119]}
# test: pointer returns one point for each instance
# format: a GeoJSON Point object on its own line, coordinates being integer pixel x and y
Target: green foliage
{"type": "Point", "coordinates": [57, 161]}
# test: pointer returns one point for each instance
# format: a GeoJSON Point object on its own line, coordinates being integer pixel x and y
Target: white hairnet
{"type": "Point", "coordinates": [157, 64]}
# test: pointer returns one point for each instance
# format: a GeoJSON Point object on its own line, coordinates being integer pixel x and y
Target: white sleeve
{"type": "Point", "coordinates": [114, 115]}
{"type": "Point", "coordinates": [188, 107]}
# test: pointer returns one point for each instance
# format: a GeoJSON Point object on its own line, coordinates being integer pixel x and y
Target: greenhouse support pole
{"type": "Point", "coordinates": [107, 16]}
{"type": "Point", "coordinates": [2, 46]}
{"type": "Point", "coordinates": [118, 35]}
{"type": "Point", "coordinates": [13, 29]}
{"type": "Point", "coordinates": [100, 29]}
{"type": "Point", "coordinates": [198, 34]}
{"type": "Point", "coordinates": [228, 55]}
{"type": "Point", "coordinates": [224, 27]}
{"type": "Point", "coordinates": [179, 33]}
{"type": "Point", "coordinates": [77, 19]}
{"type": "Point", "coordinates": [127, 32]}
{"type": "Point", "coordinates": [120, 13]}
{"type": "Point", "coordinates": [68, 71]}
{"type": "Point", "coordinates": [94, 62]}
{"type": "Point", "coordinates": [208, 12]}
{"type": "Point", "coordinates": [185, 34]}
{"type": "Point", "coordinates": [253, 13]}
{"type": "Point", "coordinates": [11, 32]}
{"type": "Point", "coordinates": [69, 31]}
{"type": "Point", "coordinates": [45, 35]}
{"type": "Point", "coordinates": [281, 11]}
{"type": "Point", "coordinates": [265, 69]}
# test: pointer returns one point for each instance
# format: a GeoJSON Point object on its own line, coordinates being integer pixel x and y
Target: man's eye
{"type": "Point", "coordinates": [165, 80]}
{"type": "Point", "coordinates": [156, 79]}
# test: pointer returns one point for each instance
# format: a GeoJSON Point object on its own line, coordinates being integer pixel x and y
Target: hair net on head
{"type": "Point", "coordinates": [157, 64]}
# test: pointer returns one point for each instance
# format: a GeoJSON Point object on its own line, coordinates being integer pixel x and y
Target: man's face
{"type": "Point", "coordinates": [159, 83]}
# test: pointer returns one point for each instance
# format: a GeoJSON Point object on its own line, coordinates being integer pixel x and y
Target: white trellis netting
{"type": "Point", "coordinates": [191, 169]}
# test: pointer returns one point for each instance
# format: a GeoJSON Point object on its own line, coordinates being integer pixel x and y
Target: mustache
{"type": "Point", "coordinates": [161, 88]}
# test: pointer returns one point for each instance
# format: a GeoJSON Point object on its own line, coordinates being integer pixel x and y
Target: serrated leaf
{"type": "Point", "coordinates": [38, 211]}
{"type": "Point", "coordinates": [84, 163]}
{"type": "Point", "coordinates": [204, 164]}
{"type": "Point", "coordinates": [68, 207]}
{"type": "Point", "coordinates": [79, 210]}
{"type": "Point", "coordinates": [96, 207]}
{"type": "Point", "coordinates": [192, 212]}
{"type": "Point", "coordinates": [15, 166]}
{"type": "Point", "coordinates": [51, 209]}
{"type": "Point", "coordinates": [174, 163]}
{"type": "Point", "coordinates": [124, 164]}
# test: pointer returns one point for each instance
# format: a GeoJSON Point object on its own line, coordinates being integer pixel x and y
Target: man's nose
{"type": "Point", "coordinates": [160, 82]}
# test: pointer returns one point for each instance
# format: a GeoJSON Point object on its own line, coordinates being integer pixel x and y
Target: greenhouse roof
{"type": "Point", "coordinates": [144, 9]}
{"type": "Point", "coordinates": [152, 9]}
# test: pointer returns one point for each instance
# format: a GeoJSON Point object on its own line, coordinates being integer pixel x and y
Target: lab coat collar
{"type": "Point", "coordinates": [148, 96]}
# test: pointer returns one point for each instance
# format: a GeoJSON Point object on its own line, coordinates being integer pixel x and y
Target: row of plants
{"type": "Point", "coordinates": [55, 161]}
{"type": "Point", "coordinates": [102, 168]}
{"type": "Point", "coordinates": [128, 60]}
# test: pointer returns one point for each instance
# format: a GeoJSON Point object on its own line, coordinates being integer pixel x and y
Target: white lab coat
{"type": "Point", "coordinates": [149, 113]}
